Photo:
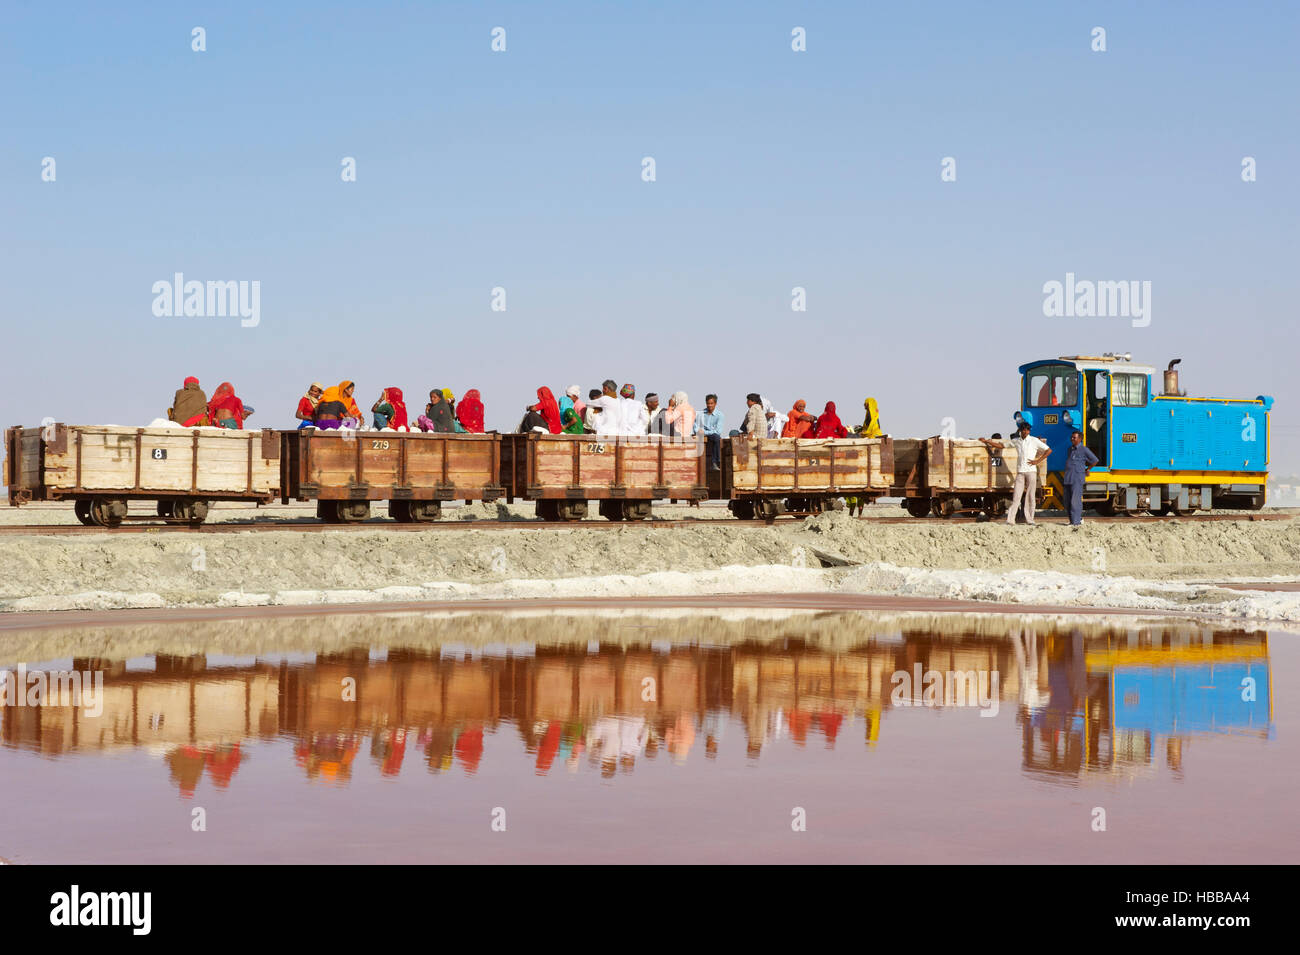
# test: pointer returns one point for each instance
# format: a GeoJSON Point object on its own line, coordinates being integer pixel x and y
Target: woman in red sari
{"type": "Point", "coordinates": [225, 410]}
{"type": "Point", "coordinates": [829, 424]}
{"type": "Point", "coordinates": [399, 419]}
{"type": "Point", "coordinates": [548, 408]}
{"type": "Point", "coordinates": [469, 412]}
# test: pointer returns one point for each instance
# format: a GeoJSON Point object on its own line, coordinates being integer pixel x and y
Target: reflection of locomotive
{"type": "Point", "coordinates": [1159, 452]}
{"type": "Point", "coordinates": [1106, 708]}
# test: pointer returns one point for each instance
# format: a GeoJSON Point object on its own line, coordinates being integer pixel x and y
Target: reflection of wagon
{"type": "Point", "coordinates": [101, 468]}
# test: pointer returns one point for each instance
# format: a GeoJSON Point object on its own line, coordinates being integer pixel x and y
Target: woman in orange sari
{"type": "Point", "coordinates": [799, 422]}
{"type": "Point", "coordinates": [346, 388]}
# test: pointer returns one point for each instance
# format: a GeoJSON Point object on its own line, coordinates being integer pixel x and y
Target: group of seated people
{"type": "Point", "coordinates": [608, 411]}
{"type": "Point", "coordinates": [333, 408]}
{"type": "Point", "coordinates": [191, 407]}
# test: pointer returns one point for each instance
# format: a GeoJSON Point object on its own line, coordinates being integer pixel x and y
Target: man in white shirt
{"type": "Point", "coordinates": [1030, 452]}
{"type": "Point", "coordinates": [610, 419]}
{"type": "Point", "coordinates": [636, 419]}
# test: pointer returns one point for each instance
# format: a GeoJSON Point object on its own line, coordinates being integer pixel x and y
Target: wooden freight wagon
{"type": "Point", "coordinates": [562, 472]}
{"type": "Point", "coordinates": [343, 471]}
{"type": "Point", "coordinates": [804, 474]}
{"type": "Point", "coordinates": [102, 467]}
{"type": "Point", "coordinates": [943, 476]}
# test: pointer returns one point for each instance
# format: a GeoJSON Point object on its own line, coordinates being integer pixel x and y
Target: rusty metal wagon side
{"type": "Point", "coordinates": [562, 472]}
{"type": "Point", "coordinates": [103, 467]}
{"type": "Point", "coordinates": [763, 476]}
{"type": "Point", "coordinates": [343, 471]}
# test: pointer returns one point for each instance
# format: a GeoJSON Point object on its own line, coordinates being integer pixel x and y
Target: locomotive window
{"type": "Point", "coordinates": [1052, 385]}
{"type": "Point", "coordinates": [1130, 391]}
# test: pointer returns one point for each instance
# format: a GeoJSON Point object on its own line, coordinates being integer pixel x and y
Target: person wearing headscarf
{"type": "Point", "coordinates": [775, 420]}
{"type": "Point", "coordinates": [572, 421]}
{"type": "Point", "coordinates": [470, 412]}
{"type": "Point", "coordinates": [330, 410]}
{"type": "Point", "coordinates": [871, 425]}
{"type": "Point", "coordinates": [829, 424]}
{"type": "Point", "coordinates": [189, 405]}
{"type": "Point", "coordinates": [680, 416]}
{"type": "Point", "coordinates": [635, 417]}
{"type": "Point", "coordinates": [346, 389]}
{"type": "Point", "coordinates": [306, 413]}
{"type": "Point", "coordinates": [572, 398]}
{"type": "Point", "coordinates": [437, 415]}
{"type": "Point", "coordinates": [399, 420]}
{"type": "Point", "coordinates": [548, 409]}
{"type": "Point", "coordinates": [449, 397]}
{"type": "Point", "coordinates": [382, 410]}
{"type": "Point", "coordinates": [799, 423]}
{"type": "Point", "coordinates": [225, 410]}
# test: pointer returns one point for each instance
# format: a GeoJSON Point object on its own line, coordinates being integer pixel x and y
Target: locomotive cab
{"type": "Point", "coordinates": [1160, 452]}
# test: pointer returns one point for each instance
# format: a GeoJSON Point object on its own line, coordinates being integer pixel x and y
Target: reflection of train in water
{"type": "Point", "coordinates": [1089, 699]}
{"type": "Point", "coordinates": [1109, 704]}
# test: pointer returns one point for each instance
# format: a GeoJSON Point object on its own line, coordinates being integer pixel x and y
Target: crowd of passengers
{"type": "Point", "coordinates": [607, 411]}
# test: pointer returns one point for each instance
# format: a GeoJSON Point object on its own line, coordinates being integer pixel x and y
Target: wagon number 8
{"type": "Point", "coordinates": [596, 448]}
{"type": "Point", "coordinates": [379, 445]}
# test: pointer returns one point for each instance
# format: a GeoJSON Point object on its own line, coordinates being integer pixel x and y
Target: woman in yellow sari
{"type": "Point", "coordinates": [870, 429]}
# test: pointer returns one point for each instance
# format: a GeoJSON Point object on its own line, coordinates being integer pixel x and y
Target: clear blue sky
{"type": "Point", "coordinates": [522, 169]}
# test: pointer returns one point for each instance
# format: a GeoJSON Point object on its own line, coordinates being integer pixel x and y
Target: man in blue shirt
{"type": "Point", "coordinates": [709, 423]}
{"type": "Point", "coordinates": [1077, 463]}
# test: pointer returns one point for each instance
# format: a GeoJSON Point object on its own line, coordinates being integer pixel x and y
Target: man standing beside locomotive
{"type": "Point", "coordinates": [1030, 452]}
{"type": "Point", "coordinates": [1077, 463]}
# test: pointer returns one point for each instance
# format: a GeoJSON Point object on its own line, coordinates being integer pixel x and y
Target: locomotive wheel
{"type": "Point", "coordinates": [107, 511]}
{"type": "Point", "coordinates": [572, 510]}
{"type": "Point", "coordinates": [424, 512]}
{"type": "Point", "coordinates": [165, 508]}
{"type": "Point", "coordinates": [81, 507]}
{"type": "Point", "coordinates": [400, 511]}
{"type": "Point", "coordinates": [1106, 508]}
{"type": "Point", "coordinates": [917, 506]}
{"type": "Point", "coordinates": [636, 510]}
{"type": "Point", "coordinates": [190, 511]}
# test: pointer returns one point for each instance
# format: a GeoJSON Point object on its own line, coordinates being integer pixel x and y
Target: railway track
{"type": "Point", "coordinates": [232, 527]}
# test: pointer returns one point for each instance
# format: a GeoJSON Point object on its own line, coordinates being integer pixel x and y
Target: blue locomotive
{"type": "Point", "coordinates": [1157, 452]}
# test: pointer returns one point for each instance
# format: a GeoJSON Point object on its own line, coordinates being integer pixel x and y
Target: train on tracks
{"type": "Point", "coordinates": [1156, 452]}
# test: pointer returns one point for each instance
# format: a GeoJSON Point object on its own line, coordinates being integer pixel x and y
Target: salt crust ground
{"type": "Point", "coordinates": [1119, 565]}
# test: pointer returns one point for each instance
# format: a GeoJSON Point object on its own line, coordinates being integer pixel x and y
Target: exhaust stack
{"type": "Point", "coordinates": [1171, 380]}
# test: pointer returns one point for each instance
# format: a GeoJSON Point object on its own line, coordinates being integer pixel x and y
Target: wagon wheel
{"type": "Point", "coordinates": [744, 510]}
{"type": "Point", "coordinates": [352, 512]}
{"type": "Point", "coordinates": [636, 510]}
{"type": "Point", "coordinates": [918, 506]}
{"type": "Point", "coordinates": [424, 512]}
{"type": "Point", "coordinates": [107, 511]}
{"type": "Point", "coordinates": [81, 507]}
{"type": "Point", "coordinates": [572, 510]}
{"type": "Point", "coordinates": [191, 512]}
{"type": "Point", "coordinates": [768, 508]}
